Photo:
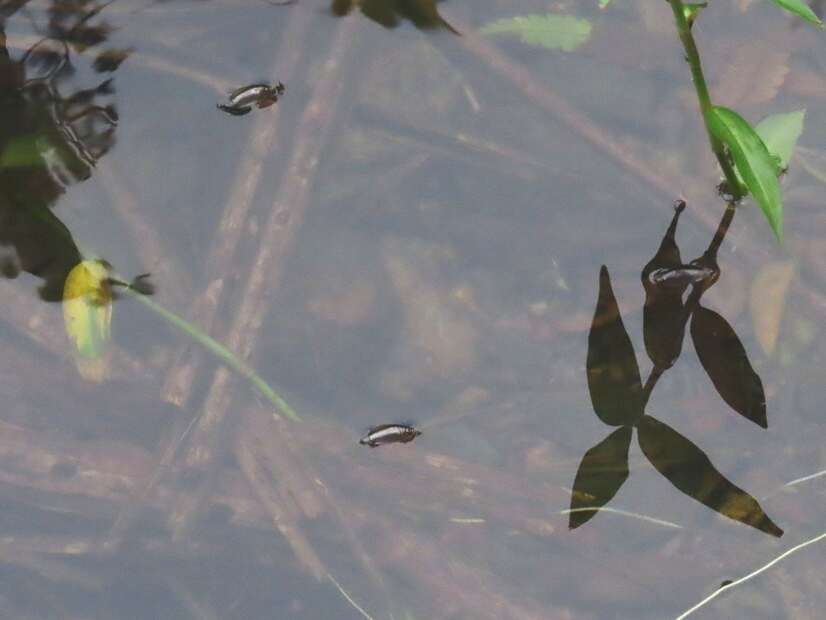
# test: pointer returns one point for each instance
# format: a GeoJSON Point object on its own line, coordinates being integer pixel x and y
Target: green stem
{"type": "Point", "coordinates": [220, 351]}
{"type": "Point", "coordinates": [692, 56]}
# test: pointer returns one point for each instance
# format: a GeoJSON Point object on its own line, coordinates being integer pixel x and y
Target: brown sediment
{"type": "Point", "coordinates": [71, 472]}
{"type": "Point", "coordinates": [51, 569]}
{"type": "Point", "coordinates": [274, 497]}
{"type": "Point", "coordinates": [447, 486]}
{"type": "Point", "coordinates": [291, 490]}
{"type": "Point", "coordinates": [454, 587]}
{"type": "Point", "coordinates": [127, 514]}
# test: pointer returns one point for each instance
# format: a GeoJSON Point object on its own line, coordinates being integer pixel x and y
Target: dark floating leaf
{"type": "Point", "coordinates": [613, 375]}
{"type": "Point", "coordinates": [602, 472]}
{"type": "Point", "coordinates": [663, 316]}
{"type": "Point", "coordinates": [689, 469]}
{"type": "Point", "coordinates": [724, 358]}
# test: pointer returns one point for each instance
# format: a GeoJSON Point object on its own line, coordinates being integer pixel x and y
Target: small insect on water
{"type": "Point", "coordinates": [242, 99]}
{"type": "Point", "coordinates": [389, 433]}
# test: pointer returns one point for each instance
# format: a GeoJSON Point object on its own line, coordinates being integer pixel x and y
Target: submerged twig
{"type": "Point", "coordinates": [276, 241]}
{"type": "Point", "coordinates": [762, 569]}
{"type": "Point", "coordinates": [275, 504]}
{"type": "Point", "coordinates": [463, 589]}
{"type": "Point", "coordinates": [797, 481]}
{"type": "Point", "coordinates": [625, 513]}
{"type": "Point", "coordinates": [349, 598]}
{"type": "Point", "coordinates": [219, 264]}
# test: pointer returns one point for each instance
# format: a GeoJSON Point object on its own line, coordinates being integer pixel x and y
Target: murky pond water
{"type": "Point", "coordinates": [428, 226]}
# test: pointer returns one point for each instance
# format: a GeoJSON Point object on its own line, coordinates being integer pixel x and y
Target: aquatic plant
{"type": "Point", "coordinates": [748, 164]}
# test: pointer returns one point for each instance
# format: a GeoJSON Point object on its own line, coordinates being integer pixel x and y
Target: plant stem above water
{"type": "Point", "coordinates": [692, 57]}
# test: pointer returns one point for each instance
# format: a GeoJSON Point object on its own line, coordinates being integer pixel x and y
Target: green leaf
{"type": "Point", "coordinates": [551, 31]}
{"type": "Point", "coordinates": [87, 312]}
{"type": "Point", "coordinates": [799, 8]}
{"type": "Point", "coordinates": [604, 3]}
{"type": "Point", "coordinates": [21, 152]}
{"type": "Point", "coordinates": [754, 163]}
{"type": "Point", "coordinates": [780, 133]}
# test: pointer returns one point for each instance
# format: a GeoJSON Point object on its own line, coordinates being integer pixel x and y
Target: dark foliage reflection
{"type": "Point", "coordinates": [389, 13]}
{"type": "Point", "coordinates": [51, 136]}
{"type": "Point", "coordinates": [619, 398]}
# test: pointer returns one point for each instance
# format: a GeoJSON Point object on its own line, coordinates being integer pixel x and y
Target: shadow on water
{"type": "Point", "coordinates": [619, 397]}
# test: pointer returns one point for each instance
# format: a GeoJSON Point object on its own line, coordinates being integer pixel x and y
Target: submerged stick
{"type": "Point", "coordinates": [180, 377]}
{"type": "Point", "coordinates": [275, 504]}
{"type": "Point", "coordinates": [277, 240]}
{"type": "Point", "coordinates": [219, 265]}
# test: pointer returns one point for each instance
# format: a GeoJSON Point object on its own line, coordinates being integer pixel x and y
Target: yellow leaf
{"type": "Point", "coordinates": [87, 313]}
{"type": "Point", "coordinates": [768, 302]}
